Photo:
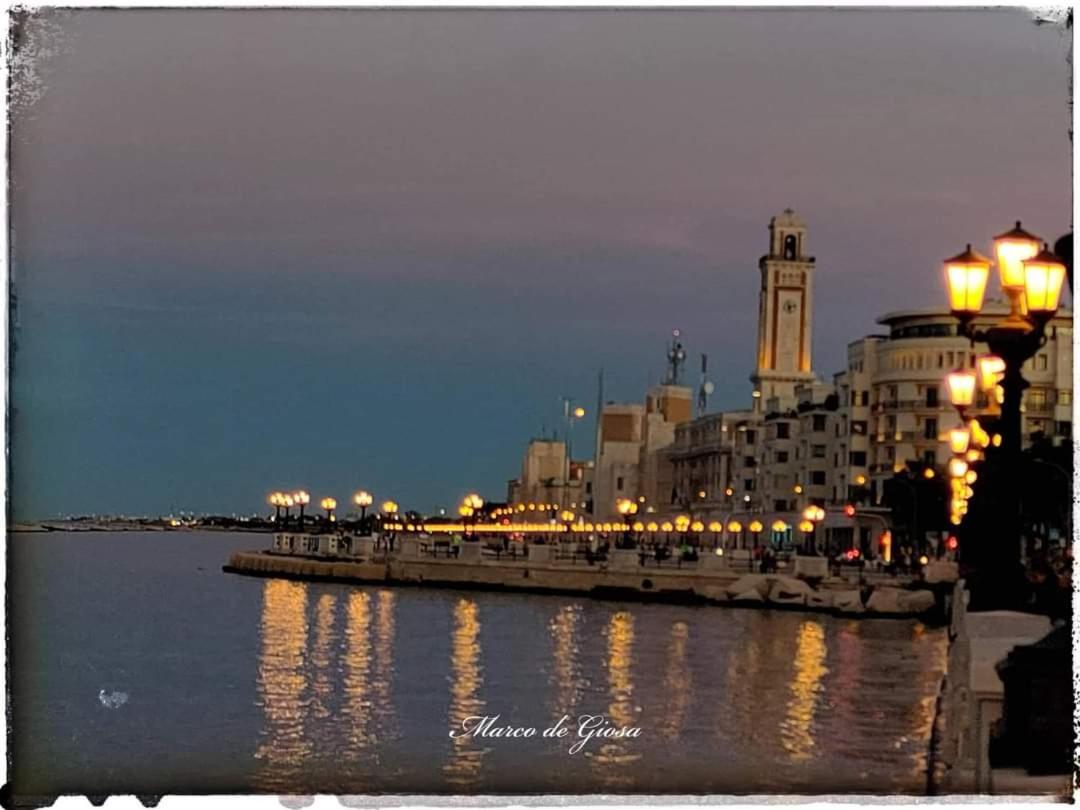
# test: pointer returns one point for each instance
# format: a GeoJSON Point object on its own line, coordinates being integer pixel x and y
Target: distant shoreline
{"type": "Point", "coordinates": [49, 526]}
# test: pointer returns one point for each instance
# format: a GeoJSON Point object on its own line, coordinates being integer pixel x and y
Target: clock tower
{"type": "Point", "coordinates": [785, 311]}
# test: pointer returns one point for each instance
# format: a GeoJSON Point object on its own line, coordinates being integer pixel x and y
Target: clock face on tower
{"type": "Point", "coordinates": [787, 335]}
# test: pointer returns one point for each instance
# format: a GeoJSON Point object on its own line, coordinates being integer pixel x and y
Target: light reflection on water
{"type": "Point", "coordinates": [328, 688]}
{"type": "Point", "coordinates": [463, 765]}
{"type": "Point", "coordinates": [805, 688]}
{"type": "Point", "coordinates": [281, 685]}
{"type": "Point", "coordinates": [785, 695]}
{"type": "Point", "coordinates": [614, 755]}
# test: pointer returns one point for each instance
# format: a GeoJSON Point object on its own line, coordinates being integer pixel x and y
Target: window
{"type": "Point", "coordinates": [779, 506]}
{"type": "Point", "coordinates": [750, 437]}
{"type": "Point", "coordinates": [817, 478]}
{"type": "Point", "coordinates": [1036, 398]}
{"type": "Point", "coordinates": [619, 483]}
{"type": "Point", "coordinates": [783, 430]}
{"type": "Point", "coordinates": [781, 456]}
{"type": "Point", "coordinates": [1040, 362]}
{"type": "Point", "coordinates": [857, 458]}
{"type": "Point", "coordinates": [930, 429]}
{"type": "Point", "coordinates": [929, 458]}
{"type": "Point", "coordinates": [865, 397]}
{"type": "Point", "coordinates": [789, 247]}
{"type": "Point", "coordinates": [748, 484]}
{"type": "Point", "coordinates": [858, 428]}
{"type": "Point", "coordinates": [819, 422]}
{"type": "Point", "coordinates": [932, 396]}
{"type": "Point", "coordinates": [1063, 429]}
{"type": "Point", "coordinates": [1064, 397]}
{"type": "Point", "coordinates": [749, 461]}
{"type": "Point", "coordinates": [817, 451]}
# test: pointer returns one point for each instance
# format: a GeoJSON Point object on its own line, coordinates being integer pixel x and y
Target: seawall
{"type": "Point", "coordinates": [686, 586]}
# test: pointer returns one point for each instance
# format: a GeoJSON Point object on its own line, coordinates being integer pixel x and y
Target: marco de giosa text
{"type": "Point", "coordinates": [585, 728]}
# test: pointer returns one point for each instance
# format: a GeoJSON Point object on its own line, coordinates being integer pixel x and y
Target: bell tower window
{"type": "Point", "coordinates": [790, 250]}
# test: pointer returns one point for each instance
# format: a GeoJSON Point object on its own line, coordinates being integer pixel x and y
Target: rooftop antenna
{"type": "Point", "coordinates": [676, 357]}
{"type": "Point", "coordinates": [705, 389]}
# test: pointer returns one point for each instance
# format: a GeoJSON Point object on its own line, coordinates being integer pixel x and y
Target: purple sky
{"type": "Point", "coordinates": [337, 249]}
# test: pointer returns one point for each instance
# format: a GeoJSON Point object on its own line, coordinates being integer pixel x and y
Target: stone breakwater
{"type": "Point", "coordinates": [688, 585]}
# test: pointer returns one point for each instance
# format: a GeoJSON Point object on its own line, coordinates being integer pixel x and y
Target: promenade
{"type": "Point", "coordinates": [803, 583]}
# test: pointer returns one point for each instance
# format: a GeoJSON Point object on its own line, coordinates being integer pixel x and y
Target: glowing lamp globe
{"type": "Point", "coordinates": [991, 368]}
{"type": "Point", "coordinates": [1013, 248]}
{"type": "Point", "coordinates": [1043, 275]}
{"type": "Point", "coordinates": [961, 385]}
{"type": "Point", "coordinates": [966, 275]}
{"type": "Point", "coordinates": [957, 468]}
{"type": "Point", "coordinates": [959, 438]}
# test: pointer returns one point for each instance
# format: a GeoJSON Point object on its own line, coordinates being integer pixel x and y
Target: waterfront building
{"type": "Point", "coordinates": [546, 478]}
{"type": "Point", "coordinates": [806, 442]}
{"type": "Point", "coordinates": [910, 413]}
{"type": "Point", "coordinates": [666, 407]}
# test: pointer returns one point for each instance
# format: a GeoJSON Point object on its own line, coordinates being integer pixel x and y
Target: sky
{"type": "Point", "coordinates": [257, 250]}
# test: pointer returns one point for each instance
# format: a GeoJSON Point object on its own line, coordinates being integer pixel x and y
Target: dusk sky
{"type": "Point", "coordinates": [341, 249]}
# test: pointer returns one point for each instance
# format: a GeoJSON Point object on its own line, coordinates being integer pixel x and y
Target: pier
{"type": "Point", "coordinates": [803, 583]}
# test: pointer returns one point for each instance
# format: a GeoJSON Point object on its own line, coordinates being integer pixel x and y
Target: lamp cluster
{"type": "Point", "coordinates": [1031, 277]}
{"type": "Point", "coordinates": [287, 500]}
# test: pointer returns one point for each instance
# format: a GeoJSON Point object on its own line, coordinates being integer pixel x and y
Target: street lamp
{"type": "Point", "coordinates": [363, 499]}
{"type": "Point", "coordinates": [329, 504]}
{"type": "Point", "coordinates": [1032, 279]}
{"type": "Point", "coordinates": [961, 385]}
{"type": "Point", "coordinates": [572, 414]}
{"type": "Point", "coordinates": [276, 500]}
{"type": "Point", "coordinates": [814, 514]}
{"type": "Point", "coordinates": [756, 528]}
{"type": "Point", "coordinates": [301, 499]}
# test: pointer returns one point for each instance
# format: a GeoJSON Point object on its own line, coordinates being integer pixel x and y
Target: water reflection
{"type": "Point", "coordinates": [384, 666]}
{"type": "Point", "coordinates": [281, 685]}
{"type": "Point", "coordinates": [614, 754]}
{"type": "Point", "coordinates": [677, 682]}
{"type": "Point", "coordinates": [357, 706]}
{"type": "Point", "coordinates": [462, 767]}
{"type": "Point", "coordinates": [795, 732]}
{"type": "Point", "coordinates": [790, 702]}
{"type": "Point", "coordinates": [566, 675]}
{"type": "Point", "coordinates": [321, 656]}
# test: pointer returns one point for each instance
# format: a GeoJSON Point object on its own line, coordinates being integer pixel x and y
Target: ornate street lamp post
{"type": "Point", "coordinates": [1032, 279]}
{"type": "Point", "coordinates": [328, 505]}
{"type": "Point", "coordinates": [277, 500]}
{"type": "Point", "coordinates": [363, 499]}
{"type": "Point", "coordinates": [301, 499]}
{"type": "Point", "coordinates": [813, 514]}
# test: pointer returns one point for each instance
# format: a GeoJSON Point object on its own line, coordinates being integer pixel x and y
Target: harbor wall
{"type": "Point", "coordinates": [623, 577]}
